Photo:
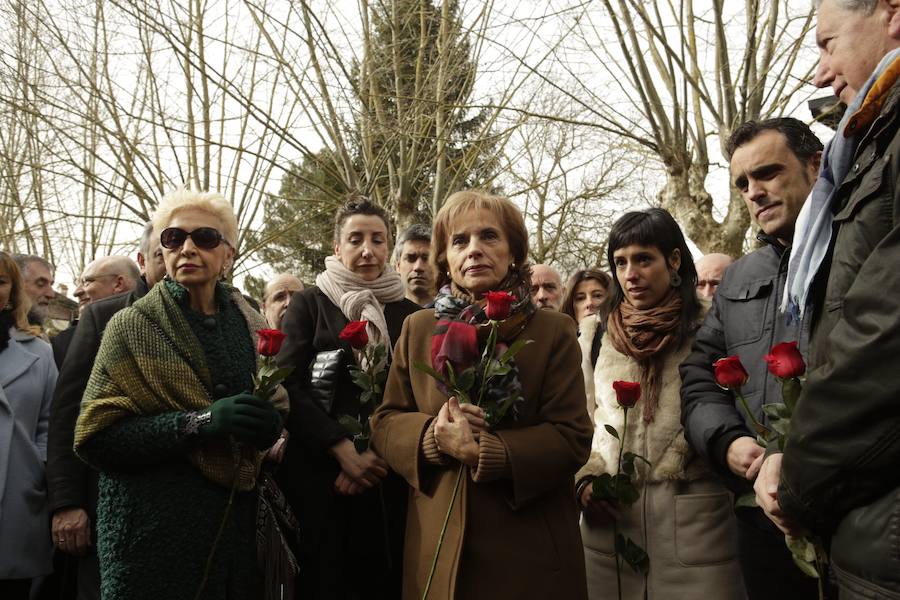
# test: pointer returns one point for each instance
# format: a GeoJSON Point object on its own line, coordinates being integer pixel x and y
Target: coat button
{"type": "Point", "coordinates": [220, 390]}
{"type": "Point", "coordinates": [856, 167]}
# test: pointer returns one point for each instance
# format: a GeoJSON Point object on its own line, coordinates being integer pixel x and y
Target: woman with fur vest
{"type": "Point", "coordinates": [683, 518]}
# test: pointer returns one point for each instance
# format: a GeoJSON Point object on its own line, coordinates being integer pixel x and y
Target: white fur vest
{"type": "Point", "coordinates": [660, 441]}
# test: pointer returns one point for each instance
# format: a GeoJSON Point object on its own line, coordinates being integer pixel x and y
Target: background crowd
{"type": "Point", "coordinates": [141, 456]}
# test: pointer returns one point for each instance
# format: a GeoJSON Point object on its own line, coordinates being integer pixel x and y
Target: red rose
{"type": "Point", "coordinates": [785, 361]}
{"type": "Point", "coordinates": [269, 342]}
{"type": "Point", "coordinates": [355, 334]}
{"type": "Point", "coordinates": [730, 373]}
{"type": "Point", "coordinates": [498, 304]}
{"type": "Point", "coordinates": [627, 393]}
{"type": "Point", "coordinates": [454, 342]}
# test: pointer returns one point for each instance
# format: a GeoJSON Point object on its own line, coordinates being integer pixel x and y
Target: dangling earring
{"type": "Point", "coordinates": [674, 278]}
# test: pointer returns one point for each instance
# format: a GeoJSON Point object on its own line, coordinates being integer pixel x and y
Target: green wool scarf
{"type": "Point", "coordinates": [150, 362]}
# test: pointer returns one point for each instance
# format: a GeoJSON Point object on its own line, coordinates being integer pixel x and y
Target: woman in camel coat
{"type": "Point", "coordinates": [513, 531]}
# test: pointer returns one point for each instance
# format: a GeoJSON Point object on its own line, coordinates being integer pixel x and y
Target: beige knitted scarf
{"type": "Point", "coordinates": [362, 300]}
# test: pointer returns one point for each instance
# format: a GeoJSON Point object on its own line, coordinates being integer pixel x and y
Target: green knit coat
{"type": "Point", "coordinates": [164, 495]}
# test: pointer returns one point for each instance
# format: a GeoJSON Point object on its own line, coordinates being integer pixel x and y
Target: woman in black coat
{"type": "Point", "coordinates": [351, 510]}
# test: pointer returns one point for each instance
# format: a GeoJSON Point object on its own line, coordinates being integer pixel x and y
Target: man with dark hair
{"type": "Point", "coordinates": [72, 485]}
{"type": "Point", "coordinates": [839, 476]}
{"type": "Point", "coordinates": [773, 164]}
{"type": "Point", "coordinates": [37, 277]}
{"type": "Point", "coordinates": [411, 262]}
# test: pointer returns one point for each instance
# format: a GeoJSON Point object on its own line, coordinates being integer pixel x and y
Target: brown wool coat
{"type": "Point", "coordinates": [513, 533]}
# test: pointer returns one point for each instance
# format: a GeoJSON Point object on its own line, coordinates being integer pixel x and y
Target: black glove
{"type": "Point", "coordinates": [245, 417]}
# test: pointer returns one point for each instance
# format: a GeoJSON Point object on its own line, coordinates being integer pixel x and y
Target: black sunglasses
{"type": "Point", "coordinates": [203, 237]}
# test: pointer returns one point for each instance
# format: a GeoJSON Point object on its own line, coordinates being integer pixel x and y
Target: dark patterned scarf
{"type": "Point", "coordinates": [463, 348]}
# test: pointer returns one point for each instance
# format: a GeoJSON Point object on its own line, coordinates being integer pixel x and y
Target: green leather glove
{"type": "Point", "coordinates": [245, 417]}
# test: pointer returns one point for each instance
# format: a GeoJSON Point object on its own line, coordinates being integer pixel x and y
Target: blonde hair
{"type": "Point", "coordinates": [209, 202]}
{"type": "Point", "coordinates": [507, 213]}
{"type": "Point", "coordinates": [19, 300]}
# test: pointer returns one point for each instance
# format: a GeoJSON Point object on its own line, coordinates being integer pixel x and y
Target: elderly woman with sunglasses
{"type": "Point", "coordinates": [169, 421]}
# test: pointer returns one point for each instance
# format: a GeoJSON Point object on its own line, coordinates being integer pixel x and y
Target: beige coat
{"type": "Point", "coordinates": [684, 517]}
{"type": "Point", "coordinates": [513, 532]}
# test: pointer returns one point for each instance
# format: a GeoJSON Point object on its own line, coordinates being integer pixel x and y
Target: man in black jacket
{"type": "Point", "coordinates": [839, 475]}
{"type": "Point", "coordinates": [773, 164]}
{"type": "Point", "coordinates": [72, 484]}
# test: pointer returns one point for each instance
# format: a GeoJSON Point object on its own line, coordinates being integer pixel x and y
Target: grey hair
{"type": "Point", "coordinates": [414, 233]}
{"type": "Point", "coordinates": [146, 236]}
{"type": "Point", "coordinates": [863, 6]}
{"type": "Point", "coordinates": [23, 260]}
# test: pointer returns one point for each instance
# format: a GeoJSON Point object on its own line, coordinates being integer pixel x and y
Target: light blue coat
{"type": "Point", "coordinates": [27, 380]}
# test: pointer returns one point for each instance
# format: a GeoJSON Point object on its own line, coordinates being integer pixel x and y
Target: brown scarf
{"type": "Point", "coordinates": [646, 336]}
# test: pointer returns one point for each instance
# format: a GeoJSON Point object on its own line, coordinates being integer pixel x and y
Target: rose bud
{"type": "Point", "coordinates": [627, 393]}
{"type": "Point", "coordinates": [785, 361]}
{"type": "Point", "coordinates": [498, 304]}
{"type": "Point", "coordinates": [269, 341]}
{"type": "Point", "coordinates": [355, 334]}
{"type": "Point", "coordinates": [730, 373]}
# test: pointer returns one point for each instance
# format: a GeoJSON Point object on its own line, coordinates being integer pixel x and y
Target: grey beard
{"type": "Point", "coordinates": [38, 314]}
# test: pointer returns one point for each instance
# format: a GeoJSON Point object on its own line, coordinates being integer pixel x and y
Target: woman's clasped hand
{"type": "Point", "coordinates": [359, 470]}
{"type": "Point", "coordinates": [456, 430]}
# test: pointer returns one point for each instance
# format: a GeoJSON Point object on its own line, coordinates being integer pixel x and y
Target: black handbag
{"type": "Point", "coordinates": [324, 372]}
{"type": "Point", "coordinates": [276, 538]}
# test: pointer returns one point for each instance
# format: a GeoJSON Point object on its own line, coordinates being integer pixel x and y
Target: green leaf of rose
{"type": "Point", "coordinates": [430, 371]}
{"type": "Point", "coordinates": [633, 554]}
{"type": "Point", "coordinates": [776, 411]}
{"type": "Point", "coordinates": [780, 426]}
{"type": "Point", "coordinates": [746, 501]}
{"type": "Point", "coordinates": [625, 490]}
{"type": "Point", "coordinates": [462, 396]}
{"type": "Point", "coordinates": [790, 391]}
{"type": "Point", "coordinates": [499, 369]}
{"type": "Point", "coordinates": [352, 426]}
{"type": "Point", "coordinates": [466, 379]}
{"type": "Point", "coordinates": [632, 456]}
{"type": "Point", "coordinates": [513, 350]}
{"type": "Point", "coordinates": [603, 487]}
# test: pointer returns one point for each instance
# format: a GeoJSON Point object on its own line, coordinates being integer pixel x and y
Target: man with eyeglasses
{"type": "Point", "coordinates": [109, 276]}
